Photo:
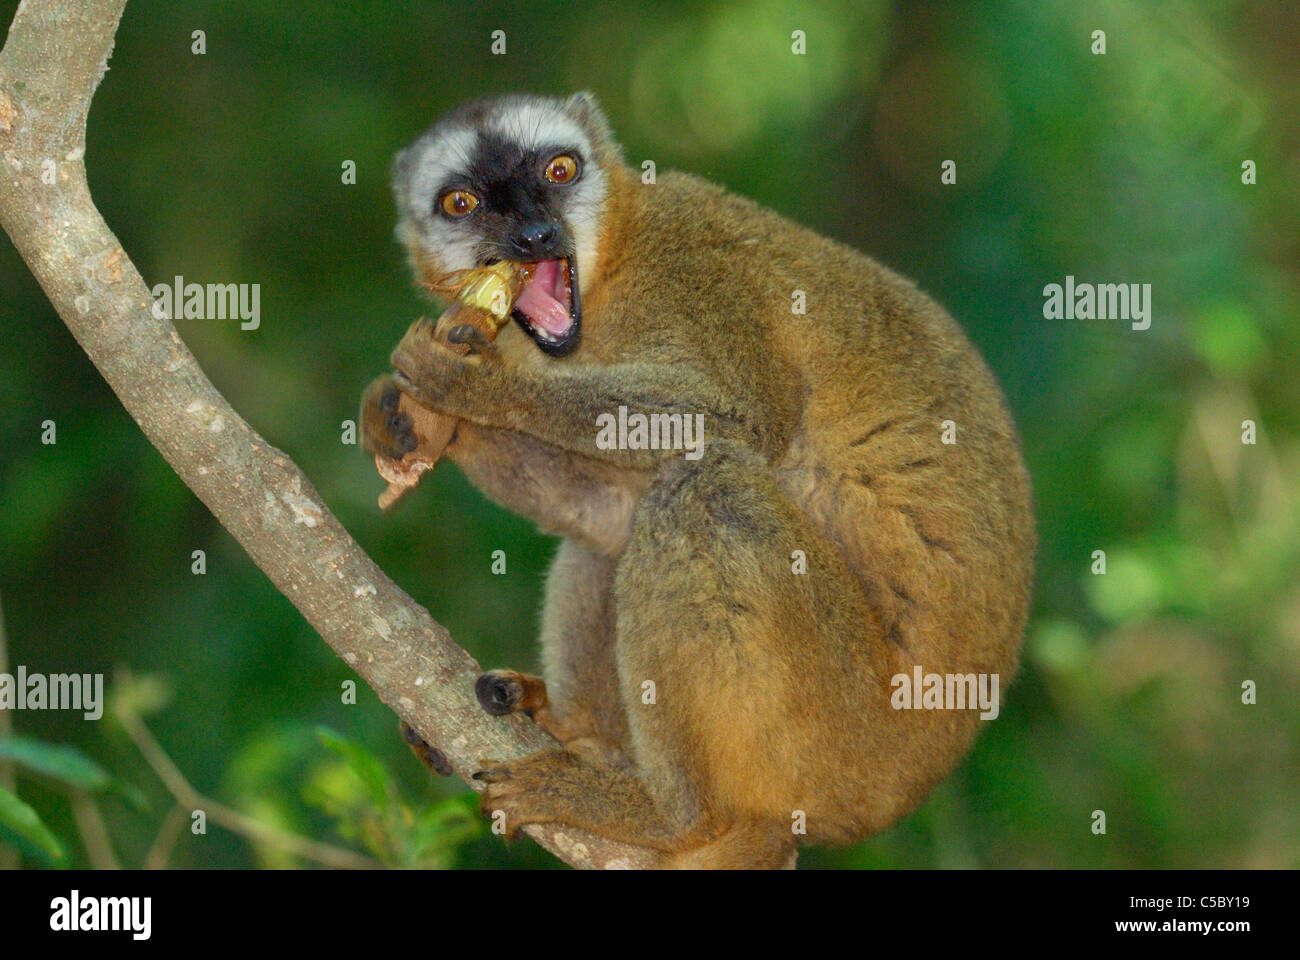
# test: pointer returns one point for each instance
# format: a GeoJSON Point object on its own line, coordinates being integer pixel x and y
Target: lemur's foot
{"type": "Point", "coordinates": [532, 789]}
{"type": "Point", "coordinates": [431, 757]}
{"type": "Point", "coordinates": [563, 786]}
{"type": "Point", "coordinates": [385, 429]}
{"type": "Point", "coordinates": [507, 691]}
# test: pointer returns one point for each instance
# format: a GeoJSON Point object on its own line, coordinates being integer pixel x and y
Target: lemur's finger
{"type": "Point", "coordinates": [430, 756]}
{"type": "Point", "coordinates": [466, 334]}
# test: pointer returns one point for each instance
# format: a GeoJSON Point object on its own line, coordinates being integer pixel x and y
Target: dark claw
{"type": "Point", "coordinates": [389, 399]}
{"type": "Point", "coordinates": [497, 695]}
{"type": "Point", "coordinates": [436, 760]}
{"type": "Point", "coordinates": [491, 775]}
{"type": "Point", "coordinates": [432, 757]}
{"type": "Point", "coordinates": [385, 429]}
{"type": "Point", "coordinates": [402, 431]}
{"type": "Point", "coordinates": [466, 333]}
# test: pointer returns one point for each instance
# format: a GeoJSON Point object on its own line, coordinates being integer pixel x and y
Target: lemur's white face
{"type": "Point", "coordinates": [508, 178]}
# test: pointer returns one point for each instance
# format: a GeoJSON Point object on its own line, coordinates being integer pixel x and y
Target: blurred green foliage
{"type": "Point", "coordinates": [226, 167]}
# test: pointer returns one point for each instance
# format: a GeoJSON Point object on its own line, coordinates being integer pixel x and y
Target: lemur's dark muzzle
{"type": "Point", "coordinates": [543, 240]}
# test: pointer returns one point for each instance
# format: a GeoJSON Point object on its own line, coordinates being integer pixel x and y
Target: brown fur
{"type": "Point", "coordinates": [822, 435]}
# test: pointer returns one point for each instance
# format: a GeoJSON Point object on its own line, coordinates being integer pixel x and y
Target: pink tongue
{"type": "Point", "coordinates": [538, 300]}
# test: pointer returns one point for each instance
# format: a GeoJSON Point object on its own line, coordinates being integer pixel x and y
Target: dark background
{"type": "Point", "coordinates": [1125, 168]}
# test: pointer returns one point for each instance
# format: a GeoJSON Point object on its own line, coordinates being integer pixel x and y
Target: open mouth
{"type": "Point", "coordinates": [548, 308]}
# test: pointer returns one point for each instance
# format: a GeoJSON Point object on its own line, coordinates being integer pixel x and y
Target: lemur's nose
{"type": "Point", "coordinates": [535, 241]}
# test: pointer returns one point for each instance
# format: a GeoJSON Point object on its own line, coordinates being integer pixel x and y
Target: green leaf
{"type": "Point", "coordinates": [66, 764]}
{"type": "Point", "coordinates": [21, 823]}
{"type": "Point", "coordinates": [70, 766]}
{"type": "Point", "coordinates": [365, 765]}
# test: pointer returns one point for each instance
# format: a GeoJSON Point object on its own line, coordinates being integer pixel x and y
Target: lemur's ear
{"type": "Point", "coordinates": [398, 174]}
{"type": "Point", "coordinates": [584, 108]}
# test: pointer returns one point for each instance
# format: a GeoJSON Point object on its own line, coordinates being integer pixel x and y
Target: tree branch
{"type": "Point", "coordinates": [54, 58]}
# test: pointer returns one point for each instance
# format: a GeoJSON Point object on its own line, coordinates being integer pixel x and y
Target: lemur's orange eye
{"type": "Point", "coordinates": [561, 169]}
{"type": "Point", "coordinates": [458, 203]}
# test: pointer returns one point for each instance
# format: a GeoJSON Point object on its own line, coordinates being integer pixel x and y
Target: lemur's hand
{"type": "Point", "coordinates": [385, 429]}
{"type": "Point", "coordinates": [438, 367]}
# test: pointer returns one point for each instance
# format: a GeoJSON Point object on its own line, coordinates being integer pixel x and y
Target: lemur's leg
{"type": "Point", "coordinates": [579, 699]}
{"type": "Point", "coordinates": [732, 668]}
{"type": "Point", "coordinates": [577, 637]}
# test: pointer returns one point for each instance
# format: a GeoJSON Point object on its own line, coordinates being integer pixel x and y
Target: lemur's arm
{"type": "Point", "coordinates": [559, 405]}
{"type": "Point", "coordinates": [562, 491]}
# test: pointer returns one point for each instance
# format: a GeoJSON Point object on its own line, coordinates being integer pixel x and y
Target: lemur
{"type": "Point", "coordinates": [721, 635]}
